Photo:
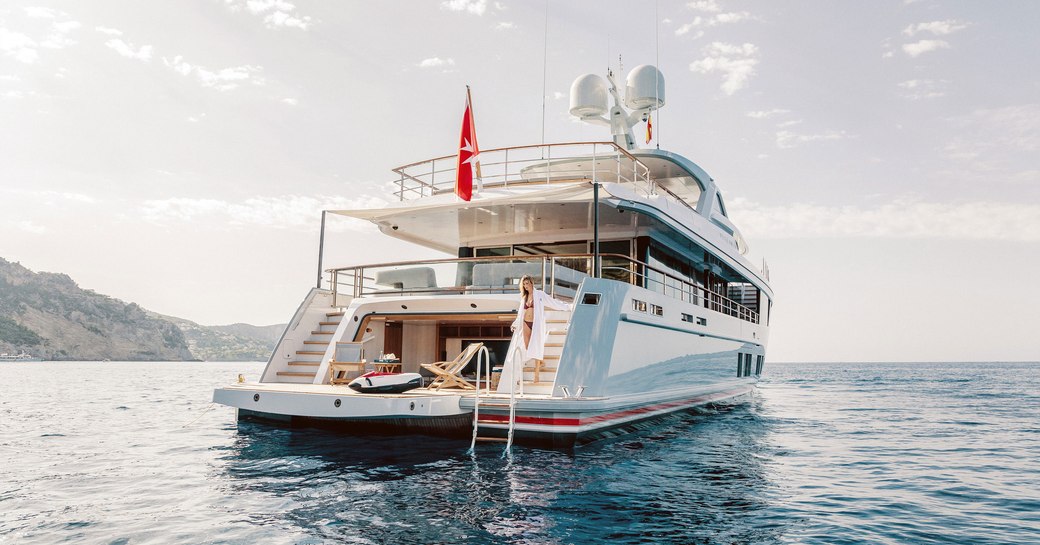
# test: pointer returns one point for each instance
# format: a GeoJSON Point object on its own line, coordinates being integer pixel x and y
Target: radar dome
{"type": "Point", "coordinates": [589, 96]}
{"type": "Point", "coordinates": [645, 88]}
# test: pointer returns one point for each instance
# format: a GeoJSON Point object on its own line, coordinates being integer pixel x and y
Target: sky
{"type": "Point", "coordinates": [882, 157]}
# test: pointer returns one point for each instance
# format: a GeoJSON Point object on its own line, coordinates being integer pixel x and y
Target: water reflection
{"type": "Point", "coordinates": [692, 477]}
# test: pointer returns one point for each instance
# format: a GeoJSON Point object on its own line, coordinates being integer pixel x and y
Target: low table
{"type": "Point", "coordinates": [387, 366]}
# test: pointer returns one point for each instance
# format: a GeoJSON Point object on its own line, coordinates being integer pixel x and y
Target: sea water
{"type": "Point", "coordinates": [135, 453]}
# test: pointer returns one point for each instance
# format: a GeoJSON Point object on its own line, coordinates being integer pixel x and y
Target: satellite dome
{"type": "Point", "coordinates": [589, 96]}
{"type": "Point", "coordinates": [645, 88]}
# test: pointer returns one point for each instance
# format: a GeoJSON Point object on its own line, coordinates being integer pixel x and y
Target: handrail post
{"type": "Point", "coordinates": [552, 289]}
{"type": "Point", "coordinates": [335, 286]}
{"type": "Point", "coordinates": [321, 246]}
{"type": "Point", "coordinates": [595, 229]}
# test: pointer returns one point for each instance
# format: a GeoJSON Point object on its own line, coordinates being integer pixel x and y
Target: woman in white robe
{"type": "Point", "coordinates": [529, 331]}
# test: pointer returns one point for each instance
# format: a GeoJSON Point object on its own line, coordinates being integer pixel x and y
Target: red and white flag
{"type": "Point", "coordinates": [469, 154]}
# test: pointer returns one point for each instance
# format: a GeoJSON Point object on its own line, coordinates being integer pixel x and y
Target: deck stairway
{"type": "Point", "coordinates": [303, 367]}
{"type": "Point", "coordinates": [538, 381]}
{"type": "Point", "coordinates": [541, 380]}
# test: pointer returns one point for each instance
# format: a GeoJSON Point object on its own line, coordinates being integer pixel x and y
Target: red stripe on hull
{"type": "Point", "coordinates": [600, 418]}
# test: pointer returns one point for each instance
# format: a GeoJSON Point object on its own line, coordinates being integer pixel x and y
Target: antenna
{"type": "Point", "coordinates": [657, 62]}
{"type": "Point", "coordinates": [545, 62]}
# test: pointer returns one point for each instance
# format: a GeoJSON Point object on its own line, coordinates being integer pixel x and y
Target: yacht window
{"type": "Point", "coordinates": [758, 365]}
{"type": "Point", "coordinates": [656, 310]}
{"type": "Point", "coordinates": [687, 317]}
{"type": "Point", "coordinates": [718, 205]}
{"type": "Point", "coordinates": [740, 365]}
{"type": "Point", "coordinates": [639, 306]}
{"type": "Point", "coordinates": [490, 252]}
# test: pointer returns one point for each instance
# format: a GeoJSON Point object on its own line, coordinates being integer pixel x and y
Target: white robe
{"type": "Point", "coordinates": [539, 334]}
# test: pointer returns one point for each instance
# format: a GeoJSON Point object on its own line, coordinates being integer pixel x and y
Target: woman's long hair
{"type": "Point", "coordinates": [523, 291]}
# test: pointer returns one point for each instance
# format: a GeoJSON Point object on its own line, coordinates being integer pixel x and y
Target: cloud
{"type": "Point", "coordinates": [918, 89]}
{"type": "Point", "coordinates": [144, 53]}
{"type": "Point", "coordinates": [505, 26]}
{"type": "Point", "coordinates": [937, 28]}
{"type": "Point", "coordinates": [290, 101]}
{"type": "Point", "coordinates": [789, 139]}
{"type": "Point", "coordinates": [708, 6]}
{"type": "Point", "coordinates": [30, 227]}
{"type": "Point", "coordinates": [763, 114]}
{"type": "Point", "coordinates": [736, 63]}
{"type": "Point", "coordinates": [996, 145]}
{"type": "Point", "coordinates": [924, 46]}
{"type": "Point", "coordinates": [224, 79]}
{"type": "Point", "coordinates": [435, 62]}
{"type": "Point", "coordinates": [713, 17]}
{"type": "Point", "coordinates": [19, 46]}
{"type": "Point", "coordinates": [58, 39]}
{"type": "Point", "coordinates": [900, 219]}
{"type": "Point", "coordinates": [713, 20]}
{"type": "Point", "coordinates": [281, 212]}
{"type": "Point", "coordinates": [38, 12]}
{"type": "Point", "coordinates": [475, 7]}
{"type": "Point", "coordinates": [276, 13]}
{"type": "Point", "coordinates": [109, 31]}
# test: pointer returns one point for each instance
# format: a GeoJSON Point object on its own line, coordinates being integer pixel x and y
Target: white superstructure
{"type": "Point", "coordinates": [667, 313]}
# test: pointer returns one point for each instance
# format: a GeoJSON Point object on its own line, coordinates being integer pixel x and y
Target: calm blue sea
{"type": "Point", "coordinates": [134, 453]}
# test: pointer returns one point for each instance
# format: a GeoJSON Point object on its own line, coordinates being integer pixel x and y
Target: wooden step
{"type": "Point", "coordinates": [328, 323]}
{"type": "Point", "coordinates": [553, 345]}
{"type": "Point", "coordinates": [493, 439]}
{"type": "Point", "coordinates": [539, 383]}
{"type": "Point", "coordinates": [324, 343]}
{"type": "Point", "coordinates": [305, 363]}
{"type": "Point", "coordinates": [482, 421]}
{"type": "Point", "coordinates": [323, 332]}
{"type": "Point", "coordinates": [310, 353]}
{"type": "Point", "coordinates": [557, 331]}
{"type": "Point", "coordinates": [331, 314]}
{"type": "Point", "coordinates": [555, 321]}
{"type": "Point", "coordinates": [542, 370]}
{"type": "Point", "coordinates": [550, 357]}
{"type": "Point", "coordinates": [295, 374]}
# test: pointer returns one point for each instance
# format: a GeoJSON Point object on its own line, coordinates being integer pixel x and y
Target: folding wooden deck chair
{"type": "Point", "coordinates": [349, 358]}
{"type": "Point", "coordinates": [446, 373]}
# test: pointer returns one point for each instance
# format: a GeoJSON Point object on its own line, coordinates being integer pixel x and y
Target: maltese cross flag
{"type": "Point", "coordinates": [469, 154]}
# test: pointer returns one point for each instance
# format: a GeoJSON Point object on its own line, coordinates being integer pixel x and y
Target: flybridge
{"type": "Point", "coordinates": [602, 162]}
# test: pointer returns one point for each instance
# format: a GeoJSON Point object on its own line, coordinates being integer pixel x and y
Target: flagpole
{"type": "Point", "coordinates": [473, 133]}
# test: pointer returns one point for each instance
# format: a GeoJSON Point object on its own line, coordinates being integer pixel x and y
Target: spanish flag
{"type": "Point", "coordinates": [649, 128]}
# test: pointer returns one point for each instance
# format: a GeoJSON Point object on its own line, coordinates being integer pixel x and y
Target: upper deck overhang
{"type": "Point", "coordinates": [446, 222]}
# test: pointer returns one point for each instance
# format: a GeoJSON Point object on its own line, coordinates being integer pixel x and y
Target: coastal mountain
{"type": "Point", "coordinates": [50, 316]}
{"type": "Point", "coordinates": [235, 342]}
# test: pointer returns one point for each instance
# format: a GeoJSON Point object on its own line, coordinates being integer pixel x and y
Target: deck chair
{"type": "Point", "coordinates": [349, 358]}
{"type": "Point", "coordinates": [446, 373]}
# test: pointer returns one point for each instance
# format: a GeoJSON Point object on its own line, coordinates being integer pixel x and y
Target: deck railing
{"type": "Point", "coordinates": [558, 275]}
{"type": "Point", "coordinates": [536, 164]}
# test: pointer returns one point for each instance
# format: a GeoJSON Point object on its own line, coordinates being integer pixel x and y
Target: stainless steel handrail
{"type": "Point", "coordinates": [639, 273]}
{"type": "Point", "coordinates": [415, 184]}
